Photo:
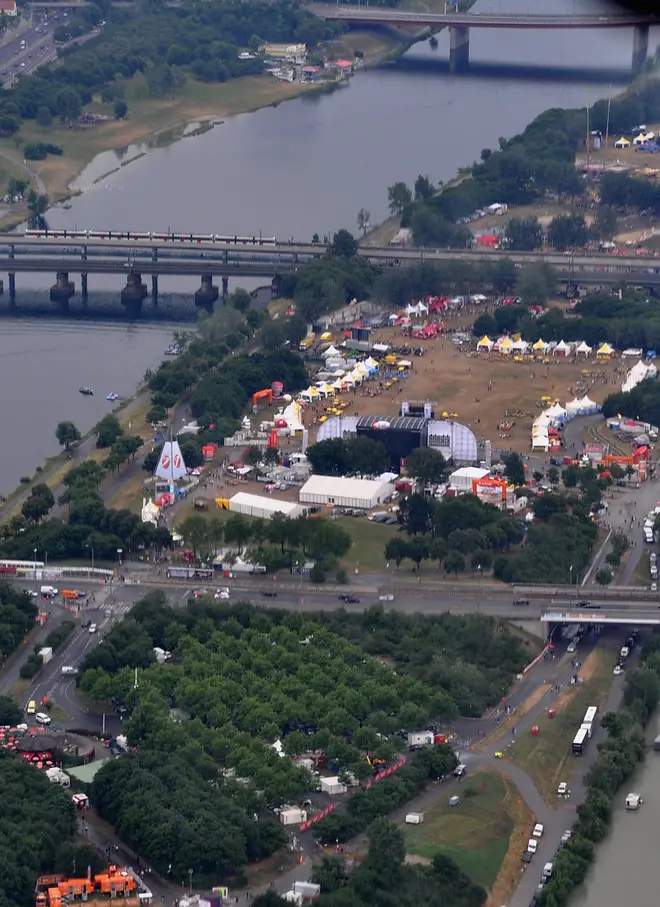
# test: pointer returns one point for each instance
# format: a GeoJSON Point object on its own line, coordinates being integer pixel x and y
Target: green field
{"type": "Point", "coordinates": [475, 833]}
{"type": "Point", "coordinates": [547, 757]}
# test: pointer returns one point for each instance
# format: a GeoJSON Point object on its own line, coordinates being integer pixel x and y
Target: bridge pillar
{"type": "Point", "coordinates": [275, 287]}
{"type": "Point", "coordinates": [225, 287]}
{"type": "Point", "coordinates": [133, 293]}
{"type": "Point", "coordinates": [12, 289]}
{"type": "Point", "coordinates": [207, 293]}
{"type": "Point", "coordinates": [83, 288]}
{"type": "Point", "coordinates": [63, 289]}
{"type": "Point", "coordinates": [459, 48]}
{"type": "Point", "coordinates": [640, 47]}
{"type": "Point", "coordinates": [154, 288]}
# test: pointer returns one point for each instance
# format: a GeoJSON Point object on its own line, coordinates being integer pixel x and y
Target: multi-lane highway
{"type": "Point", "coordinates": [39, 48]}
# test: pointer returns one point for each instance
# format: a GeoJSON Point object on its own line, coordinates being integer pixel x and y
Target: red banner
{"type": "Point", "coordinates": [317, 818]}
{"type": "Point", "coordinates": [386, 772]}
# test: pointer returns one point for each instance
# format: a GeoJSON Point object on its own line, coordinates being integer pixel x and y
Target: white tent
{"type": "Point", "coordinates": [418, 309]}
{"type": "Point", "coordinates": [562, 349]}
{"type": "Point", "coordinates": [292, 415]}
{"type": "Point", "coordinates": [557, 414]}
{"type": "Point", "coordinates": [540, 346]}
{"type": "Point", "coordinates": [573, 408]}
{"type": "Point", "coordinates": [356, 377]}
{"type": "Point", "coordinates": [632, 353]}
{"type": "Point", "coordinates": [587, 405]}
{"type": "Point", "coordinates": [371, 364]}
{"type": "Point", "coordinates": [338, 384]}
{"type": "Point", "coordinates": [640, 139]}
{"type": "Point", "coordinates": [637, 374]}
{"type": "Point", "coordinates": [520, 346]}
{"type": "Point", "coordinates": [622, 143]}
{"type": "Point", "coordinates": [583, 350]}
{"type": "Point", "coordinates": [331, 352]}
{"type": "Point", "coordinates": [485, 344]}
{"type": "Point", "coordinates": [312, 393]}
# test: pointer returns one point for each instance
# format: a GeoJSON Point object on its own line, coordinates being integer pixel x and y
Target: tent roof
{"type": "Point", "coordinates": [605, 349]}
{"type": "Point", "coordinates": [583, 348]}
{"type": "Point", "coordinates": [539, 345]}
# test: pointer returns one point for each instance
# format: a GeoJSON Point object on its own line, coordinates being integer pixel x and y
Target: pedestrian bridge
{"type": "Point", "coordinates": [639, 616]}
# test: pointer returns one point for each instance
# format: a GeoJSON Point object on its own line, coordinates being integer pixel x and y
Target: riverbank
{"type": "Point", "coordinates": [156, 122]}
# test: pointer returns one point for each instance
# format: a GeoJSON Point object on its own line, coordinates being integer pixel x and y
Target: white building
{"type": "Point", "coordinates": [333, 786]}
{"type": "Point", "coordinates": [258, 505]}
{"type": "Point", "coordinates": [345, 492]}
{"type": "Point", "coordinates": [463, 478]}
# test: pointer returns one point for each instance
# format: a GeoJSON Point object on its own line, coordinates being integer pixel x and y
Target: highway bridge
{"type": "Point", "coordinates": [459, 25]}
{"type": "Point", "coordinates": [207, 258]}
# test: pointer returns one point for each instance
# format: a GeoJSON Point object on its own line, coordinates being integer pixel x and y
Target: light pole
{"type": "Point", "coordinates": [190, 877]}
{"type": "Point", "coordinates": [34, 561]}
{"type": "Point", "coordinates": [120, 551]}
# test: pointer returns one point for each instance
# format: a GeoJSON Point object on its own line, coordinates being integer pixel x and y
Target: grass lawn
{"type": "Point", "coordinates": [475, 834]}
{"type": "Point", "coordinates": [268, 870]}
{"type": "Point", "coordinates": [368, 541]}
{"type": "Point", "coordinates": [546, 758]}
{"type": "Point", "coordinates": [18, 690]}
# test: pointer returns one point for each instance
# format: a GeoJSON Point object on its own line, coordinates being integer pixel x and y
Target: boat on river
{"type": "Point", "coordinates": [172, 350]}
{"type": "Point", "coordinates": [633, 801]}
{"type": "Point", "coordinates": [112, 397]}
{"type": "Point", "coordinates": [86, 391]}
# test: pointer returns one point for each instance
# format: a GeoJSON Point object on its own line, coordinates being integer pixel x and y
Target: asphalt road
{"type": "Point", "coordinates": [39, 48]}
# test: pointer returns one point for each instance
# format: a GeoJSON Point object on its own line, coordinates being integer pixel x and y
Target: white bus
{"type": "Point", "coordinates": [580, 741]}
{"type": "Point", "coordinates": [590, 715]}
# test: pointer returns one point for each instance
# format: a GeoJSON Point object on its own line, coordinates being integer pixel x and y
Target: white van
{"type": "Point", "coordinates": [48, 591]}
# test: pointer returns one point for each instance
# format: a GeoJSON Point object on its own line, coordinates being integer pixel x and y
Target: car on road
{"type": "Point", "coordinates": [566, 837]}
{"type": "Point", "coordinates": [31, 592]}
{"type": "Point", "coordinates": [562, 789]}
{"type": "Point", "coordinates": [69, 671]}
{"type": "Point", "coordinates": [588, 605]}
{"type": "Point", "coordinates": [571, 647]}
{"type": "Point", "coordinates": [92, 628]}
{"type": "Point", "coordinates": [42, 718]}
{"type": "Point", "coordinates": [617, 670]}
{"type": "Point", "coordinates": [386, 597]}
{"type": "Point", "coordinates": [532, 845]}
{"type": "Point", "coordinates": [31, 707]}
{"type": "Point", "coordinates": [522, 602]}
{"type": "Point", "coordinates": [221, 594]}
{"type": "Point", "coordinates": [527, 857]}
{"type": "Point", "coordinates": [538, 830]}
{"type": "Point", "coordinates": [349, 599]}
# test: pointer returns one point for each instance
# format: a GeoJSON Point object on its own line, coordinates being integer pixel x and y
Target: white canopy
{"type": "Point", "coordinates": [622, 143]}
{"type": "Point", "coordinates": [561, 347]}
{"type": "Point", "coordinates": [573, 408]}
{"type": "Point", "coordinates": [637, 374]}
{"type": "Point", "coordinates": [417, 309]}
{"type": "Point", "coordinates": [556, 413]}
{"type": "Point", "coordinates": [485, 344]}
{"type": "Point", "coordinates": [331, 352]}
{"type": "Point", "coordinates": [338, 384]}
{"type": "Point", "coordinates": [520, 346]}
{"type": "Point", "coordinates": [632, 353]}
{"type": "Point", "coordinates": [640, 139]}
{"type": "Point", "coordinates": [583, 348]}
{"type": "Point", "coordinates": [587, 405]}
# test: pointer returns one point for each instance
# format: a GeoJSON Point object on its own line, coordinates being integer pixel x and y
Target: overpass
{"type": "Point", "coordinates": [63, 254]}
{"type": "Point", "coordinates": [633, 615]}
{"type": "Point", "coordinates": [459, 25]}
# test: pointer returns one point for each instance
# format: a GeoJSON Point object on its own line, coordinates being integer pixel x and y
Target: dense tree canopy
{"type": "Point", "coordinates": [17, 615]}
{"type": "Point", "coordinates": [37, 823]}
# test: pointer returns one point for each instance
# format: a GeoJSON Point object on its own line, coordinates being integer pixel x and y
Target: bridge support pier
{"type": "Point", "coordinates": [83, 288]}
{"type": "Point", "coordinates": [63, 290]}
{"type": "Point", "coordinates": [640, 47]}
{"type": "Point", "coordinates": [154, 288]}
{"type": "Point", "coordinates": [12, 290]}
{"type": "Point", "coordinates": [207, 293]}
{"type": "Point", "coordinates": [459, 48]}
{"type": "Point", "coordinates": [225, 287]}
{"type": "Point", "coordinates": [133, 293]}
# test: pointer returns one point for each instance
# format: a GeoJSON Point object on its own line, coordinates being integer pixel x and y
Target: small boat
{"type": "Point", "coordinates": [66, 207]}
{"type": "Point", "coordinates": [433, 41]}
{"type": "Point", "coordinates": [112, 397]}
{"type": "Point", "coordinates": [172, 350]}
{"type": "Point", "coordinates": [633, 801]}
{"type": "Point", "coordinates": [86, 391]}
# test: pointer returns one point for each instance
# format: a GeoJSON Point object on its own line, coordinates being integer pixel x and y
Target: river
{"type": "Point", "coordinates": [306, 166]}
{"type": "Point", "coordinates": [42, 365]}
{"type": "Point", "coordinates": [625, 862]}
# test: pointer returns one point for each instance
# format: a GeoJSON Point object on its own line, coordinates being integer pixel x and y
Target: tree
{"type": "Point", "coordinates": [37, 204]}
{"type": "Point", "coordinates": [191, 451]}
{"type": "Point", "coordinates": [418, 550]}
{"type": "Point", "coordinates": [120, 109]}
{"type": "Point", "coordinates": [553, 475]}
{"type": "Point", "coordinates": [399, 196]}
{"type": "Point", "coordinates": [363, 220]}
{"type": "Point", "coordinates": [39, 503]}
{"type": "Point", "coordinates": [343, 245]}
{"type": "Point", "coordinates": [603, 576]}
{"type": "Point", "coordinates": [514, 468]}
{"type": "Point", "coordinates": [44, 117]}
{"type": "Point", "coordinates": [396, 549]}
{"type": "Point", "coordinates": [240, 300]}
{"type": "Point", "coordinates": [524, 234]}
{"type": "Point", "coordinates": [424, 188]}
{"type": "Point", "coordinates": [10, 714]}
{"type": "Point", "coordinates": [605, 223]}
{"type": "Point", "coordinates": [426, 465]}
{"type": "Point", "coordinates": [454, 562]}
{"type": "Point", "coordinates": [570, 475]}
{"type": "Point", "coordinates": [107, 431]}
{"type": "Point", "coordinates": [68, 104]}
{"type": "Point", "coordinates": [536, 283]}
{"type": "Point", "coordinates": [194, 530]}
{"type": "Point", "coordinates": [568, 231]}
{"type": "Point", "coordinates": [67, 434]}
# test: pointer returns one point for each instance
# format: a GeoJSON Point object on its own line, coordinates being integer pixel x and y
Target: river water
{"type": "Point", "coordinates": [625, 867]}
{"type": "Point", "coordinates": [306, 166]}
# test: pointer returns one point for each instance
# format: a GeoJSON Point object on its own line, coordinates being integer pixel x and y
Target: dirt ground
{"type": "Point", "coordinates": [479, 390]}
{"type": "Point", "coordinates": [509, 875]}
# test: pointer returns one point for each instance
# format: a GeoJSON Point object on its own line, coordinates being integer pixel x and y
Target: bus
{"type": "Point", "coordinates": [190, 573]}
{"type": "Point", "coordinates": [590, 715]}
{"type": "Point", "coordinates": [20, 568]}
{"type": "Point", "coordinates": [580, 741]}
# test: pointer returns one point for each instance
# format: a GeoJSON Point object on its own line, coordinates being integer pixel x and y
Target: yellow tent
{"type": "Point", "coordinates": [485, 344]}
{"type": "Point", "coordinates": [605, 351]}
{"type": "Point", "coordinates": [540, 345]}
{"type": "Point", "coordinates": [505, 345]}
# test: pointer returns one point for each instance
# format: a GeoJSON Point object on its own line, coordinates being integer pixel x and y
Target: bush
{"type": "Point", "coordinates": [60, 634]}
{"type": "Point", "coordinates": [32, 666]}
{"type": "Point", "coordinates": [38, 151]}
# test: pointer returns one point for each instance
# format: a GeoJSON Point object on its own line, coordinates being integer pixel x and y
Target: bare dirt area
{"type": "Point", "coordinates": [509, 875]}
{"type": "Point", "coordinates": [479, 390]}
